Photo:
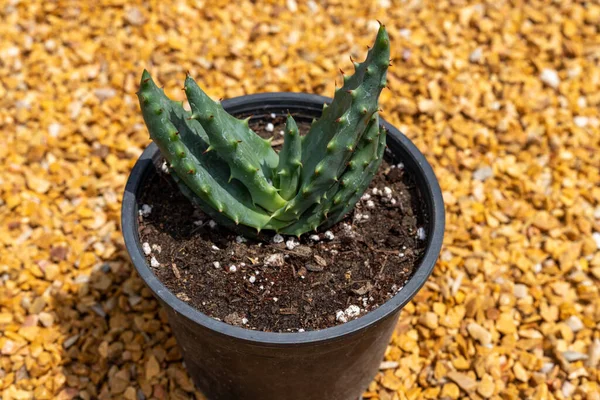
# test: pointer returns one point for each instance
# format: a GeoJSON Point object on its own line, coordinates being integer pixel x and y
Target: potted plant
{"type": "Point", "coordinates": [217, 164]}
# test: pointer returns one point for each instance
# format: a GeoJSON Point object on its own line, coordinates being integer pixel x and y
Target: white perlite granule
{"type": "Point", "coordinates": [269, 127]}
{"type": "Point", "coordinates": [154, 262]}
{"type": "Point", "coordinates": [277, 238]}
{"type": "Point", "coordinates": [145, 210]}
{"type": "Point", "coordinates": [146, 248]}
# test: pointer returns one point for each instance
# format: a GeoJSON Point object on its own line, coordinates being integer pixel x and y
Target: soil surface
{"type": "Point", "coordinates": [282, 284]}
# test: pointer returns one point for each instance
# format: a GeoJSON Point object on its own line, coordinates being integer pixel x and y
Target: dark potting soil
{"type": "Point", "coordinates": [286, 286]}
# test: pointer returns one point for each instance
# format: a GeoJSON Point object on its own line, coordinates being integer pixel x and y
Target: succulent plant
{"type": "Point", "coordinates": [237, 178]}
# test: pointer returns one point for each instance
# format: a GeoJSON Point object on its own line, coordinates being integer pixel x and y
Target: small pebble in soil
{"type": "Point", "coordinates": [212, 224]}
{"type": "Point", "coordinates": [392, 201]}
{"type": "Point", "coordinates": [217, 264]}
{"type": "Point", "coordinates": [146, 248]}
{"type": "Point", "coordinates": [269, 127]}
{"type": "Point", "coordinates": [421, 233]}
{"type": "Point", "coordinates": [352, 311]}
{"type": "Point", "coordinates": [301, 330]}
{"type": "Point", "coordinates": [375, 191]}
{"type": "Point", "coordinates": [291, 244]}
{"type": "Point", "coordinates": [340, 316]}
{"type": "Point", "coordinates": [164, 167]}
{"type": "Point", "coordinates": [232, 268]}
{"type": "Point", "coordinates": [244, 321]}
{"type": "Point", "coordinates": [329, 235]}
{"type": "Point", "coordinates": [314, 238]}
{"type": "Point", "coordinates": [198, 223]}
{"type": "Point", "coordinates": [273, 115]}
{"type": "Point", "coordinates": [145, 210]}
{"type": "Point", "coordinates": [370, 204]}
{"type": "Point", "coordinates": [365, 196]}
{"type": "Point", "coordinates": [252, 279]}
{"type": "Point", "coordinates": [278, 238]}
{"type": "Point", "coordinates": [215, 248]}
{"type": "Point", "coordinates": [156, 248]}
{"type": "Point", "coordinates": [387, 192]}
{"type": "Point", "coordinates": [154, 262]}
{"type": "Point", "coordinates": [240, 239]}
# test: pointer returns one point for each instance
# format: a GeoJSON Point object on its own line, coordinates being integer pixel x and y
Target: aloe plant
{"type": "Point", "coordinates": [237, 178]}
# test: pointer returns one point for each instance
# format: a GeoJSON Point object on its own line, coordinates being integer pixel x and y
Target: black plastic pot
{"type": "Point", "coordinates": [227, 362]}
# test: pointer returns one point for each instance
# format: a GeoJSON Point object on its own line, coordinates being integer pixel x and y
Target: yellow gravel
{"type": "Point", "coordinates": [502, 97]}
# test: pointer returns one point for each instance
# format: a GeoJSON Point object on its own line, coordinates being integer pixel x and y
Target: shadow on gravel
{"type": "Point", "coordinates": [117, 340]}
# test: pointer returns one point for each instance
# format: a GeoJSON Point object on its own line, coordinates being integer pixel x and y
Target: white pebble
{"type": "Point", "coordinates": [329, 235]}
{"type": "Point", "coordinates": [145, 210]}
{"type": "Point", "coordinates": [282, 133]}
{"type": "Point", "coordinates": [212, 224]}
{"type": "Point", "coordinates": [154, 262]}
{"type": "Point", "coordinates": [475, 55]}
{"type": "Point", "coordinates": [156, 248]}
{"type": "Point", "coordinates": [314, 238]}
{"type": "Point", "coordinates": [597, 212]}
{"type": "Point", "coordinates": [291, 244]}
{"type": "Point", "coordinates": [300, 330]}
{"type": "Point", "coordinates": [244, 321]}
{"type": "Point", "coordinates": [387, 192]}
{"type": "Point", "coordinates": [275, 298]}
{"type": "Point", "coordinates": [252, 279]}
{"type": "Point", "coordinates": [146, 248]}
{"type": "Point", "coordinates": [375, 191]}
{"type": "Point", "coordinates": [277, 238]}
{"type": "Point", "coordinates": [365, 196]}
{"type": "Point", "coordinates": [581, 121]}
{"type": "Point", "coordinates": [520, 290]}
{"type": "Point", "coordinates": [370, 204]}
{"type": "Point", "coordinates": [199, 222]}
{"type": "Point", "coordinates": [401, 255]}
{"type": "Point", "coordinates": [547, 367]}
{"type": "Point", "coordinates": [240, 239]}
{"type": "Point", "coordinates": [273, 115]}
{"type": "Point", "coordinates": [483, 173]}
{"type": "Point", "coordinates": [537, 268]}
{"type": "Point", "coordinates": [217, 264]}
{"type": "Point", "coordinates": [54, 129]}
{"type": "Point", "coordinates": [405, 33]}
{"type": "Point", "coordinates": [574, 323]}
{"type": "Point", "coordinates": [568, 389]}
{"type": "Point", "coordinates": [392, 201]}
{"type": "Point", "coordinates": [400, 165]}
{"type": "Point", "coordinates": [572, 356]}
{"type": "Point", "coordinates": [340, 316]}
{"type": "Point", "coordinates": [269, 127]}
{"type": "Point", "coordinates": [214, 247]}
{"type": "Point", "coordinates": [550, 77]}
{"type": "Point", "coordinates": [596, 237]}
{"type": "Point", "coordinates": [421, 235]}
{"type": "Point", "coordinates": [352, 311]}
{"type": "Point", "coordinates": [232, 268]}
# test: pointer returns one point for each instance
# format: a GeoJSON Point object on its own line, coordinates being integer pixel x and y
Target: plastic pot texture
{"type": "Point", "coordinates": [337, 363]}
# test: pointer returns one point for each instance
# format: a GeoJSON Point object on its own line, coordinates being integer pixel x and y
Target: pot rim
{"type": "Point", "coordinates": [431, 189]}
